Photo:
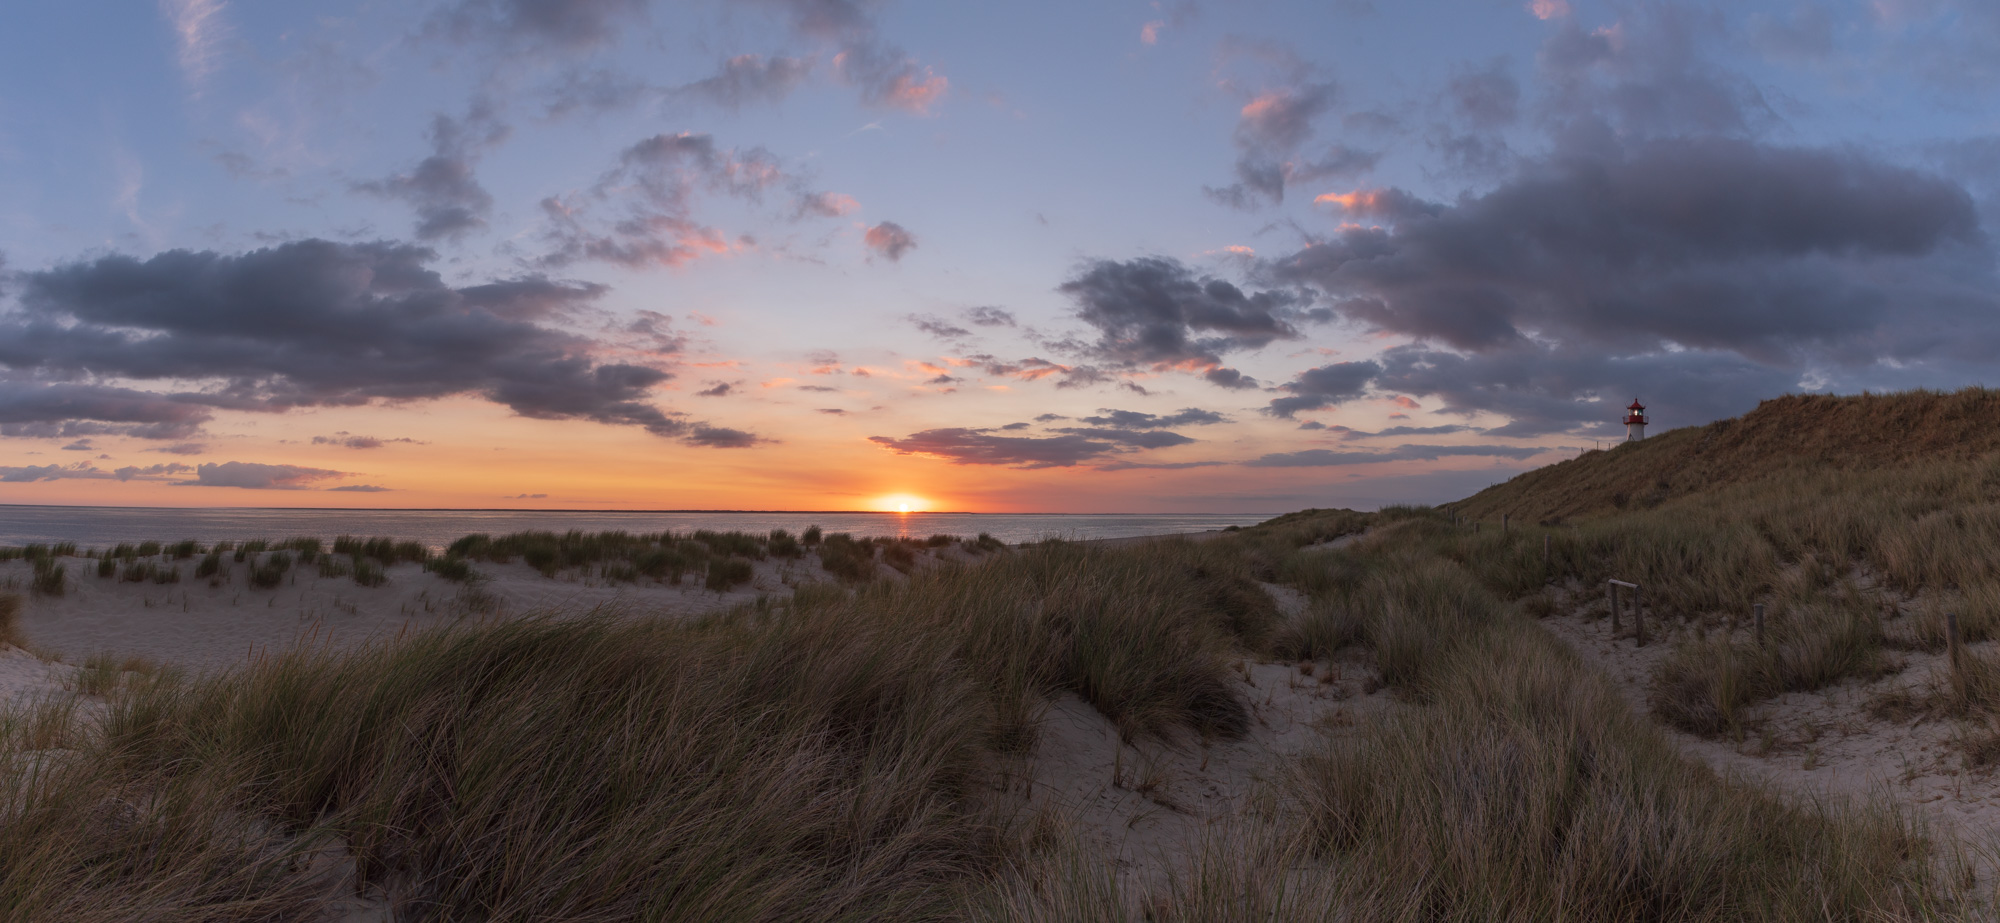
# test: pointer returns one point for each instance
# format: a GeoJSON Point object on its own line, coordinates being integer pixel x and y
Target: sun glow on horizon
{"type": "Point", "coordinates": [902, 503]}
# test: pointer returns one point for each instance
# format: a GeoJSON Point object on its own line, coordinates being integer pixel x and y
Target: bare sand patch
{"type": "Point", "coordinates": [1829, 742]}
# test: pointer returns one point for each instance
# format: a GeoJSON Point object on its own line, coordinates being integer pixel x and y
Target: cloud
{"type": "Point", "coordinates": [1156, 313]}
{"type": "Point", "coordinates": [938, 327]}
{"type": "Point", "coordinates": [1325, 386]}
{"type": "Point", "coordinates": [447, 197]}
{"type": "Point", "coordinates": [990, 316]}
{"type": "Point", "coordinates": [352, 441]}
{"type": "Point", "coordinates": [1133, 419]}
{"type": "Point", "coordinates": [360, 488]}
{"type": "Point", "coordinates": [750, 78]}
{"type": "Point", "coordinates": [1649, 76]}
{"type": "Point", "coordinates": [199, 31]}
{"type": "Point", "coordinates": [1721, 268]}
{"type": "Point", "coordinates": [81, 445]}
{"type": "Point", "coordinates": [1320, 458]}
{"type": "Point", "coordinates": [1274, 125]}
{"type": "Point", "coordinates": [890, 239]}
{"type": "Point", "coordinates": [71, 410]}
{"type": "Point", "coordinates": [1489, 98]}
{"type": "Point", "coordinates": [654, 186]}
{"type": "Point", "coordinates": [962, 446]}
{"type": "Point", "coordinates": [1448, 428]}
{"type": "Point", "coordinates": [715, 389]}
{"type": "Point", "coordinates": [884, 73]}
{"type": "Point", "coordinates": [181, 448]}
{"type": "Point", "coordinates": [526, 497]}
{"type": "Point", "coordinates": [540, 26]}
{"type": "Point", "coordinates": [309, 323]}
{"type": "Point", "coordinates": [722, 437]}
{"type": "Point", "coordinates": [826, 205]}
{"type": "Point", "coordinates": [257, 476]}
{"type": "Point", "coordinates": [1142, 439]}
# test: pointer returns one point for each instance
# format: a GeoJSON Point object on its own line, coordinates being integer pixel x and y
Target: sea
{"type": "Point", "coordinates": [102, 526]}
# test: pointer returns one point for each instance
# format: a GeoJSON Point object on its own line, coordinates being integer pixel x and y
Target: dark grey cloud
{"type": "Point", "coordinates": [81, 445]}
{"type": "Point", "coordinates": [310, 323]}
{"type": "Point", "coordinates": [1319, 458]}
{"type": "Point", "coordinates": [1650, 77]}
{"type": "Point", "coordinates": [715, 389]}
{"type": "Point", "coordinates": [1488, 98]}
{"type": "Point", "coordinates": [361, 488]}
{"type": "Point", "coordinates": [1155, 312]}
{"type": "Point", "coordinates": [963, 446]}
{"type": "Point", "coordinates": [258, 476]}
{"type": "Point", "coordinates": [890, 239]}
{"type": "Point", "coordinates": [990, 316]}
{"type": "Point", "coordinates": [21, 474]}
{"type": "Point", "coordinates": [1325, 386]}
{"type": "Point", "coordinates": [70, 410]}
{"type": "Point", "coordinates": [938, 327]}
{"type": "Point", "coordinates": [1143, 439]}
{"type": "Point", "coordinates": [349, 440]}
{"type": "Point", "coordinates": [447, 197]}
{"type": "Point", "coordinates": [1763, 267]}
{"type": "Point", "coordinates": [564, 26]}
{"type": "Point", "coordinates": [1445, 429]}
{"type": "Point", "coordinates": [181, 448]}
{"type": "Point", "coordinates": [1133, 419]}
{"type": "Point", "coordinates": [722, 437]}
{"type": "Point", "coordinates": [1157, 466]}
{"type": "Point", "coordinates": [750, 78]}
{"type": "Point", "coordinates": [1067, 448]}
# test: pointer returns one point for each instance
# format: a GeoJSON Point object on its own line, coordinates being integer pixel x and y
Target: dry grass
{"type": "Point", "coordinates": [10, 620]}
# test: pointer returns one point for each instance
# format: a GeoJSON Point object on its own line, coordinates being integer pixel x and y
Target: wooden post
{"type": "Point", "coordinates": [1545, 549]}
{"type": "Point", "coordinates": [1475, 527]}
{"type": "Point", "coordinates": [1638, 617]}
{"type": "Point", "coordinates": [1611, 590]}
{"type": "Point", "coordinates": [1759, 610]}
{"type": "Point", "coordinates": [1503, 523]}
{"type": "Point", "coordinates": [1951, 638]}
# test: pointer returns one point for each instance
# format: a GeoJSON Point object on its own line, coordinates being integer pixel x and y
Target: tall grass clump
{"type": "Point", "coordinates": [271, 571]}
{"type": "Point", "coordinates": [47, 579]}
{"type": "Point", "coordinates": [588, 768]}
{"type": "Point", "coordinates": [1528, 790]}
{"type": "Point", "coordinates": [10, 620]}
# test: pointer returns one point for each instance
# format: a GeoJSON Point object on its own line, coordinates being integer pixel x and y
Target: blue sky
{"type": "Point", "coordinates": [817, 253]}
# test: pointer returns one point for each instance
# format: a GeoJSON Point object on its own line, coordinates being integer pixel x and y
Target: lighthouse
{"type": "Point", "coordinates": [1635, 421]}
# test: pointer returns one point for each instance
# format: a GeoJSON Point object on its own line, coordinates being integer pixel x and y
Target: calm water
{"type": "Point", "coordinates": [92, 526]}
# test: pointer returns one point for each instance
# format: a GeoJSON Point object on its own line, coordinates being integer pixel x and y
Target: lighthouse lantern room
{"type": "Point", "coordinates": [1635, 421]}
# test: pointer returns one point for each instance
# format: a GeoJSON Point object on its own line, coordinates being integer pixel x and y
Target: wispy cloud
{"type": "Point", "coordinates": [199, 29]}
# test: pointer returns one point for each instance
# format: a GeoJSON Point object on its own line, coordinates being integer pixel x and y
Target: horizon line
{"type": "Point", "coordinates": [502, 509]}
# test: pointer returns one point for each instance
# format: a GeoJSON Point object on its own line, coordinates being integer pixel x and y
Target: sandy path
{"type": "Point", "coordinates": [1825, 743]}
{"type": "Point", "coordinates": [1149, 804]}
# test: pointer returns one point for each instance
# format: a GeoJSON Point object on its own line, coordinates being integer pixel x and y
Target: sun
{"type": "Point", "coordinates": [902, 503]}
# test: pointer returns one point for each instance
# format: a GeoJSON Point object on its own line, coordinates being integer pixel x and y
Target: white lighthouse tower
{"type": "Point", "coordinates": [1635, 421]}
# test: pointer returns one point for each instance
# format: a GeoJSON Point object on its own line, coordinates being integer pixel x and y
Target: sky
{"type": "Point", "coordinates": [1209, 256]}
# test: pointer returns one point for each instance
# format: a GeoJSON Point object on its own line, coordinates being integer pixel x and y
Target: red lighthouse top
{"type": "Point", "coordinates": [1638, 414]}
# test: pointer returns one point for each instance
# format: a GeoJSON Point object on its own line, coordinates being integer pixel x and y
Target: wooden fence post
{"type": "Point", "coordinates": [1545, 549]}
{"type": "Point", "coordinates": [1611, 590]}
{"type": "Point", "coordinates": [1759, 609]}
{"type": "Point", "coordinates": [1503, 523]}
{"type": "Point", "coordinates": [1951, 638]}
{"type": "Point", "coordinates": [1638, 616]}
